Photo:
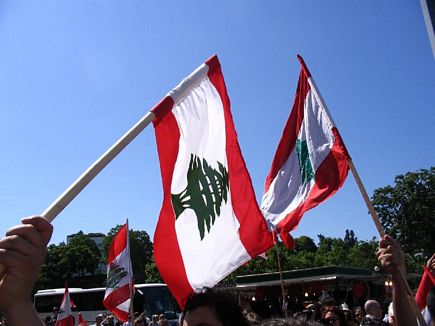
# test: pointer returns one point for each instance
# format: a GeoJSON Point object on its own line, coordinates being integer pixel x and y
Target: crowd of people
{"type": "Point", "coordinates": [23, 250]}
{"type": "Point", "coordinates": [105, 319]}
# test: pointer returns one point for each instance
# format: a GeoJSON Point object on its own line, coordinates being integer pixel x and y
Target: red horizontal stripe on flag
{"type": "Point", "coordinates": [117, 296]}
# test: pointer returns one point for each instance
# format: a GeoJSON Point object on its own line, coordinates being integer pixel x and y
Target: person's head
{"type": "Point", "coordinates": [358, 314]}
{"type": "Point", "coordinates": [140, 320]}
{"type": "Point", "coordinates": [331, 315]}
{"type": "Point", "coordinates": [372, 307]}
{"type": "Point", "coordinates": [212, 308]}
{"type": "Point", "coordinates": [155, 318]}
{"type": "Point", "coordinates": [99, 319]}
{"type": "Point", "coordinates": [252, 318]}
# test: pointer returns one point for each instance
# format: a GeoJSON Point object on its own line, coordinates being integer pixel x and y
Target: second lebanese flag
{"type": "Point", "coordinates": [210, 222]}
{"type": "Point", "coordinates": [119, 287]}
{"type": "Point", "coordinates": [310, 163]}
{"type": "Point", "coordinates": [65, 317]}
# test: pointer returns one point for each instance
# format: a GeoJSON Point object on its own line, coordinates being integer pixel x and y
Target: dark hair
{"type": "Point", "coordinates": [224, 305]}
{"type": "Point", "coordinates": [430, 301]}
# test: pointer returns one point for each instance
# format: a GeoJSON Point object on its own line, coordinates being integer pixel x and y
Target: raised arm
{"type": "Point", "coordinates": [392, 259]}
{"type": "Point", "coordinates": [22, 252]}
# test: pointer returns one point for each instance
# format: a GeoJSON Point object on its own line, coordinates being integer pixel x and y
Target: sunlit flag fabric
{"type": "Point", "coordinates": [310, 163]}
{"type": "Point", "coordinates": [120, 287]}
{"type": "Point", "coordinates": [210, 222]}
{"type": "Point", "coordinates": [65, 317]}
{"type": "Point", "coordinates": [427, 282]}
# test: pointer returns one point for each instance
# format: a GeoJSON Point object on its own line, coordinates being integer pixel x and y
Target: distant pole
{"type": "Point", "coordinates": [284, 299]}
{"type": "Point", "coordinates": [402, 278]}
{"type": "Point", "coordinates": [428, 9]}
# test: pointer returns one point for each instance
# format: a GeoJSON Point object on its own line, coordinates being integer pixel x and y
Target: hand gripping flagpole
{"type": "Point", "coordinates": [375, 218]}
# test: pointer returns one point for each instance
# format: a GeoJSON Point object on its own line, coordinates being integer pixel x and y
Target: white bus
{"type": "Point", "coordinates": [152, 299]}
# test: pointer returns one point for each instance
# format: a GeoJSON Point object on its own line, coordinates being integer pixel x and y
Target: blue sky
{"type": "Point", "coordinates": [75, 75]}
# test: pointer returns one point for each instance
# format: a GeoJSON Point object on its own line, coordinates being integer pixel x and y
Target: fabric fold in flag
{"type": "Point", "coordinates": [310, 163]}
{"type": "Point", "coordinates": [210, 222]}
{"type": "Point", "coordinates": [120, 287]}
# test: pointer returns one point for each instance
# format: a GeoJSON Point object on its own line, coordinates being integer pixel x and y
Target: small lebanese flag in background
{"type": "Point", "coordinates": [120, 287]}
{"type": "Point", "coordinates": [82, 322]}
{"type": "Point", "coordinates": [310, 164]}
{"type": "Point", "coordinates": [65, 317]}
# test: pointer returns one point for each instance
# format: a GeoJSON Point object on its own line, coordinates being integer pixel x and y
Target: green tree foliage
{"type": "Point", "coordinates": [55, 269]}
{"type": "Point", "coordinates": [407, 211]}
{"type": "Point", "coordinates": [329, 251]}
{"type": "Point", "coordinates": [141, 248]}
{"type": "Point", "coordinates": [84, 255]}
{"type": "Point", "coordinates": [363, 254]}
{"type": "Point", "coordinates": [80, 257]}
{"type": "Point", "coordinates": [304, 243]}
{"type": "Point", "coordinates": [349, 238]}
{"type": "Point", "coordinates": [152, 274]}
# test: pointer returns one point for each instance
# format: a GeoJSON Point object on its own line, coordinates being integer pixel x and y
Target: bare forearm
{"type": "Point", "coordinates": [24, 314]}
{"type": "Point", "coordinates": [403, 311]}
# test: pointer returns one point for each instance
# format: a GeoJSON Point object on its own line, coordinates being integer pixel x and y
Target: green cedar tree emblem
{"type": "Point", "coordinates": [116, 273]}
{"type": "Point", "coordinates": [307, 171]}
{"type": "Point", "coordinates": [206, 189]}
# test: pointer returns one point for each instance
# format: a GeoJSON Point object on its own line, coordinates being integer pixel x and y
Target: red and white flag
{"type": "Point", "coordinates": [119, 287]}
{"type": "Point", "coordinates": [82, 322]}
{"type": "Point", "coordinates": [210, 222]}
{"type": "Point", "coordinates": [427, 282]}
{"type": "Point", "coordinates": [65, 317]}
{"type": "Point", "coordinates": [310, 164]}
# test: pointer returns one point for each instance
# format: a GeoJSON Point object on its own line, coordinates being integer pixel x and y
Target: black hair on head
{"type": "Point", "coordinates": [430, 302]}
{"type": "Point", "coordinates": [224, 305]}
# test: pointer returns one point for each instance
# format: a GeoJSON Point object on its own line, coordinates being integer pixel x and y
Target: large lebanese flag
{"type": "Point", "coordinates": [119, 287]}
{"type": "Point", "coordinates": [210, 222]}
{"type": "Point", "coordinates": [310, 164]}
{"type": "Point", "coordinates": [65, 317]}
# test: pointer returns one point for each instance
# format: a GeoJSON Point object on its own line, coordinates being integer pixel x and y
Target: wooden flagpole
{"type": "Point", "coordinates": [82, 181]}
{"type": "Point", "coordinates": [402, 278]}
{"type": "Point", "coordinates": [284, 299]}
